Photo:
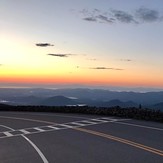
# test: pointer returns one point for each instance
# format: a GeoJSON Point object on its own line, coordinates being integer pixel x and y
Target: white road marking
{"type": "Point", "coordinates": [98, 120]}
{"type": "Point", "coordinates": [106, 118]}
{"type": "Point", "coordinates": [24, 131]}
{"type": "Point", "coordinates": [54, 127]}
{"type": "Point", "coordinates": [26, 119]}
{"type": "Point", "coordinates": [37, 149]}
{"type": "Point", "coordinates": [32, 144]}
{"type": "Point", "coordinates": [142, 126]}
{"type": "Point", "coordinates": [67, 126]}
{"type": "Point", "coordinates": [7, 127]}
{"type": "Point", "coordinates": [8, 134]}
{"type": "Point", "coordinates": [76, 123]}
{"type": "Point", "coordinates": [89, 122]}
{"type": "Point", "coordinates": [39, 129]}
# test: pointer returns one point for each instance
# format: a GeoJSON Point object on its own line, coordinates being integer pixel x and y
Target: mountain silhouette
{"type": "Point", "coordinates": [58, 101]}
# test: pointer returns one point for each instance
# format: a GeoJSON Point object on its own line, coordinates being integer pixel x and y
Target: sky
{"type": "Point", "coordinates": [80, 42]}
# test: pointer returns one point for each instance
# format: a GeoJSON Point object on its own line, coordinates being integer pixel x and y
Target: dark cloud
{"type": "Point", "coordinates": [105, 19]}
{"type": "Point", "coordinates": [59, 55]}
{"type": "Point", "coordinates": [123, 16]}
{"type": "Point", "coordinates": [139, 16]}
{"type": "Point", "coordinates": [99, 18]}
{"type": "Point", "coordinates": [96, 16]}
{"type": "Point", "coordinates": [91, 19]}
{"type": "Point", "coordinates": [105, 68]}
{"type": "Point", "coordinates": [43, 44]}
{"type": "Point", "coordinates": [147, 15]}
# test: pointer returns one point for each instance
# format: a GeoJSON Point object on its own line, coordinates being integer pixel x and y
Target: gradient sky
{"type": "Point", "coordinates": [85, 42]}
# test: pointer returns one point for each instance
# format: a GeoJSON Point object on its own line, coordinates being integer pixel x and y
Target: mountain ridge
{"type": "Point", "coordinates": [91, 97]}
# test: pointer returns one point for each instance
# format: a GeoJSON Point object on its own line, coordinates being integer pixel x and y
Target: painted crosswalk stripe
{"type": "Point", "coordinates": [99, 120]}
{"type": "Point", "coordinates": [8, 134]}
{"type": "Point", "coordinates": [67, 126]}
{"type": "Point", "coordinates": [24, 131]}
{"type": "Point", "coordinates": [78, 124]}
{"type": "Point", "coordinates": [89, 122]}
{"type": "Point", "coordinates": [46, 128]}
{"type": "Point", "coordinates": [53, 127]}
{"type": "Point", "coordinates": [39, 129]}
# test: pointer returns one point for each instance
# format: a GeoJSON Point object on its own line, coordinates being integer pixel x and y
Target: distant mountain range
{"type": "Point", "coordinates": [58, 101]}
{"type": "Point", "coordinates": [80, 96]}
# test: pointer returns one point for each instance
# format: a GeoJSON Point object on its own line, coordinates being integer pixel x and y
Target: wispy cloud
{"type": "Point", "coordinates": [105, 68]}
{"type": "Point", "coordinates": [147, 15]}
{"type": "Point", "coordinates": [91, 19]}
{"type": "Point", "coordinates": [59, 55]}
{"type": "Point", "coordinates": [96, 16]}
{"type": "Point", "coordinates": [139, 16]}
{"type": "Point", "coordinates": [92, 59]}
{"type": "Point", "coordinates": [43, 44]}
{"type": "Point", "coordinates": [126, 60]}
{"type": "Point", "coordinates": [123, 16]}
{"type": "Point", "coordinates": [105, 19]}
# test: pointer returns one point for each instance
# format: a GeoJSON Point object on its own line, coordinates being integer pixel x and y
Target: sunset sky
{"type": "Point", "coordinates": [81, 42]}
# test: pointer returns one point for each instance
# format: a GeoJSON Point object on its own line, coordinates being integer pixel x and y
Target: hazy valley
{"type": "Point", "coordinates": [80, 96]}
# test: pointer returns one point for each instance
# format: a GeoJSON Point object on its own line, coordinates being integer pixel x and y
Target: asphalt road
{"type": "Point", "coordinates": [75, 138]}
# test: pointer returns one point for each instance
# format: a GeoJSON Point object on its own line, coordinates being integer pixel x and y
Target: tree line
{"type": "Point", "coordinates": [131, 112]}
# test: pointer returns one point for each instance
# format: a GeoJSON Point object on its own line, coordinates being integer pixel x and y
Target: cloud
{"type": "Point", "coordinates": [60, 55]}
{"type": "Point", "coordinates": [123, 16]}
{"type": "Point", "coordinates": [44, 44]}
{"type": "Point", "coordinates": [105, 19]}
{"type": "Point", "coordinates": [99, 18]}
{"type": "Point", "coordinates": [105, 68]}
{"type": "Point", "coordinates": [96, 16]}
{"type": "Point", "coordinates": [126, 60]}
{"type": "Point", "coordinates": [138, 16]}
{"type": "Point", "coordinates": [91, 19]}
{"type": "Point", "coordinates": [147, 15]}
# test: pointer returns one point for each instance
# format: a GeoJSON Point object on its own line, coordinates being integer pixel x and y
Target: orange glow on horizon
{"type": "Point", "coordinates": [72, 79]}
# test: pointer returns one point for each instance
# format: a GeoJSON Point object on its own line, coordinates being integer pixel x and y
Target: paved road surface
{"type": "Point", "coordinates": [75, 138]}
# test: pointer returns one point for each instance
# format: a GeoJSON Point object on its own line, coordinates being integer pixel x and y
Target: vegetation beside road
{"type": "Point", "coordinates": [135, 113]}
